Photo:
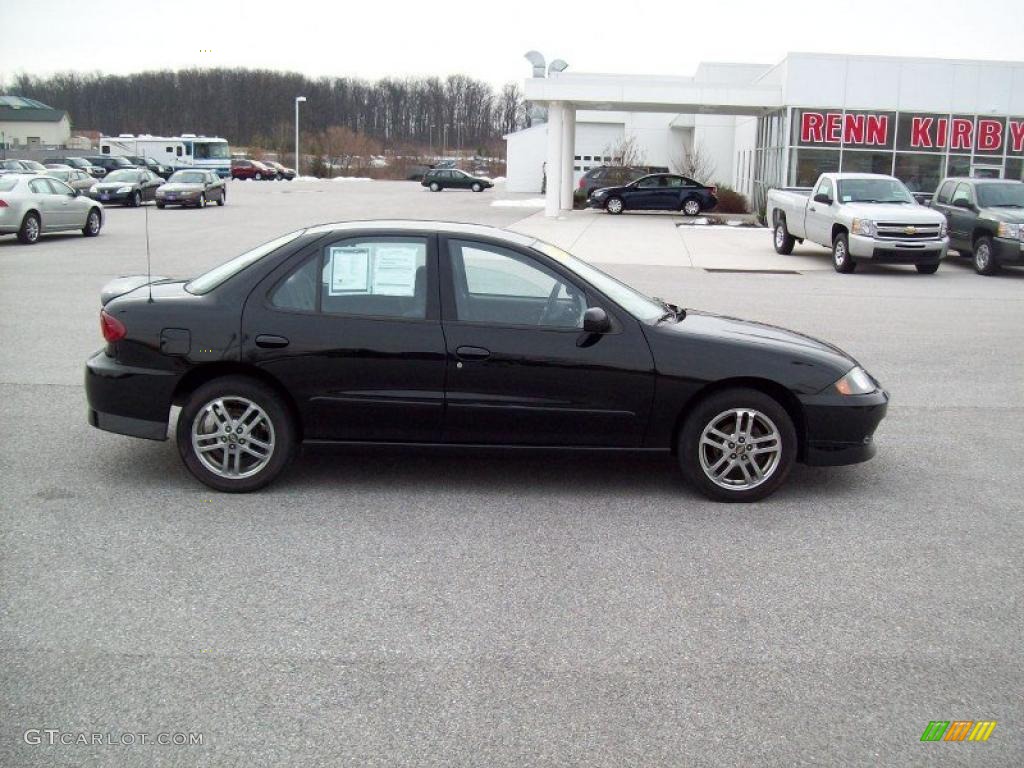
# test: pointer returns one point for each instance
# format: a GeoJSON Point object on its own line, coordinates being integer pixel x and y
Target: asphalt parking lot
{"type": "Point", "coordinates": [418, 608]}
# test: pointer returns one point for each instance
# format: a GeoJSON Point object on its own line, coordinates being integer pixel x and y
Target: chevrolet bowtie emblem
{"type": "Point", "coordinates": [910, 230]}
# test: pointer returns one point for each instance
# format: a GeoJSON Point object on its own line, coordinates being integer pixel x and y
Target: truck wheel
{"type": "Point", "coordinates": [784, 241]}
{"type": "Point", "coordinates": [841, 258]}
{"type": "Point", "coordinates": [984, 261]}
{"type": "Point", "coordinates": [927, 269]}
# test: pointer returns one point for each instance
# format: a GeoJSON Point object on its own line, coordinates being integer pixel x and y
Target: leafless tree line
{"type": "Point", "coordinates": [252, 106]}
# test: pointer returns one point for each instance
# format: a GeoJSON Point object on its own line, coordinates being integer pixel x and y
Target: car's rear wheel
{"type": "Point", "coordinates": [235, 434]}
{"type": "Point", "coordinates": [476, 187]}
{"type": "Point", "coordinates": [223, 200]}
{"type": "Point", "coordinates": [691, 207]}
{"type": "Point", "coordinates": [983, 260]}
{"type": "Point", "coordinates": [28, 233]}
{"type": "Point", "coordinates": [737, 445]}
{"type": "Point", "coordinates": [435, 187]}
{"type": "Point", "coordinates": [93, 222]}
{"type": "Point", "coordinates": [614, 205]}
{"type": "Point", "coordinates": [160, 205]}
{"type": "Point", "coordinates": [259, 177]}
{"type": "Point", "coordinates": [136, 199]}
{"type": "Point", "coordinates": [784, 241]}
{"type": "Point", "coordinates": [841, 258]}
{"type": "Point", "coordinates": [927, 269]}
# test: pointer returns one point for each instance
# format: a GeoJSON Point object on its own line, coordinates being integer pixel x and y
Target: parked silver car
{"type": "Point", "coordinates": [35, 205]}
{"type": "Point", "coordinates": [73, 177]}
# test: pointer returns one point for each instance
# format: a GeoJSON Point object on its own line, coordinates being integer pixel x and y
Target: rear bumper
{"type": "Point", "coordinates": [898, 251]}
{"type": "Point", "coordinates": [126, 400]}
{"type": "Point", "coordinates": [1008, 251]}
{"type": "Point", "coordinates": [840, 429]}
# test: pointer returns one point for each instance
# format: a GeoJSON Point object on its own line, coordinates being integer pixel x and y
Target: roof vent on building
{"type": "Point", "coordinates": [188, 135]}
{"type": "Point", "coordinates": [537, 60]}
{"type": "Point", "coordinates": [126, 135]}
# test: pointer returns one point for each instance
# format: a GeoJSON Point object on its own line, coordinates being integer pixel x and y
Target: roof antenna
{"type": "Point", "coordinates": [149, 261]}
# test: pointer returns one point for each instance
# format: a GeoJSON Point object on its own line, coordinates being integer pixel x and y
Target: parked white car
{"type": "Point", "coordinates": [31, 206]}
{"type": "Point", "coordinates": [861, 217]}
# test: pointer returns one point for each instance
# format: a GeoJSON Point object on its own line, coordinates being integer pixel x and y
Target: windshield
{"type": "Point", "coordinates": [34, 165]}
{"type": "Point", "coordinates": [1001, 195]}
{"type": "Point", "coordinates": [211, 150]}
{"type": "Point", "coordinates": [639, 306]}
{"type": "Point", "coordinates": [186, 177]}
{"type": "Point", "coordinates": [873, 191]}
{"type": "Point", "coordinates": [126, 175]}
{"type": "Point", "coordinates": [210, 280]}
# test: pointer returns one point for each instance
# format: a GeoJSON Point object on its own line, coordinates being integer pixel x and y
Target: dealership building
{"type": "Point", "coordinates": [758, 126]}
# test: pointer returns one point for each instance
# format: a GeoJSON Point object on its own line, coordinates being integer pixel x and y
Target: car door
{"type": "Point", "coordinates": [53, 213]}
{"type": "Point", "coordinates": [962, 215]}
{"type": "Point", "coordinates": [818, 223]}
{"type": "Point", "coordinates": [351, 327]}
{"type": "Point", "coordinates": [520, 371]}
{"type": "Point", "coordinates": [644, 195]}
{"type": "Point", "coordinates": [73, 209]}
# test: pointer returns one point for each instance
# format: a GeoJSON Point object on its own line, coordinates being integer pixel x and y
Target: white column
{"type": "Point", "coordinates": [553, 167]}
{"type": "Point", "coordinates": [568, 155]}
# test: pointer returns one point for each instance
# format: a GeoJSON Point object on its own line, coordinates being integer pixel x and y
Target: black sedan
{"type": "Point", "coordinates": [437, 179]}
{"type": "Point", "coordinates": [460, 334]}
{"type": "Point", "coordinates": [130, 186]}
{"type": "Point", "coordinates": [193, 188]}
{"type": "Point", "coordinates": [657, 192]}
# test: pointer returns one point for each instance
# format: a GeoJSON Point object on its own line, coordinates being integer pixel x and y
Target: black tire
{"type": "Point", "coordinates": [784, 241]}
{"type": "Point", "coordinates": [690, 207]}
{"type": "Point", "coordinates": [30, 229]}
{"type": "Point", "coordinates": [983, 259]}
{"type": "Point", "coordinates": [614, 205]}
{"type": "Point", "coordinates": [435, 187]}
{"type": "Point", "coordinates": [259, 177]}
{"type": "Point", "coordinates": [136, 199]}
{"type": "Point", "coordinates": [202, 201]}
{"type": "Point", "coordinates": [160, 205]}
{"type": "Point", "coordinates": [710, 410]}
{"type": "Point", "coordinates": [223, 200]}
{"type": "Point", "coordinates": [93, 223]}
{"type": "Point", "coordinates": [283, 436]}
{"type": "Point", "coordinates": [476, 187]}
{"type": "Point", "coordinates": [927, 269]}
{"type": "Point", "coordinates": [841, 258]}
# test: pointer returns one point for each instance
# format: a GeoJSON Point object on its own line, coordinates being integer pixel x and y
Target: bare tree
{"type": "Point", "coordinates": [626, 151]}
{"type": "Point", "coordinates": [696, 165]}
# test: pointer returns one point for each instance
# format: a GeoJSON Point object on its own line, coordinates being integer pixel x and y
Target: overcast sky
{"type": "Point", "coordinates": [487, 39]}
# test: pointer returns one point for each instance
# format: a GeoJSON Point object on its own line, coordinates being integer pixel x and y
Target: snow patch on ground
{"type": "Point", "coordinates": [533, 202]}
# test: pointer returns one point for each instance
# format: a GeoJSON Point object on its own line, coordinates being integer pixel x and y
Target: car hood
{"type": "Point", "coordinates": [904, 213]}
{"type": "Point", "coordinates": [181, 187]}
{"type": "Point", "coordinates": [1007, 215]}
{"type": "Point", "coordinates": [608, 190]}
{"type": "Point", "coordinates": [760, 334]}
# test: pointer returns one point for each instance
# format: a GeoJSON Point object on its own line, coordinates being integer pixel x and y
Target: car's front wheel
{"type": "Point", "coordinates": [235, 434]}
{"type": "Point", "coordinates": [202, 201]}
{"type": "Point", "coordinates": [614, 205]}
{"type": "Point", "coordinates": [136, 199]}
{"type": "Point", "coordinates": [737, 445]}
{"type": "Point", "coordinates": [93, 222]}
{"type": "Point", "coordinates": [477, 187]}
{"type": "Point", "coordinates": [841, 258]}
{"type": "Point", "coordinates": [435, 187]}
{"type": "Point", "coordinates": [259, 177]}
{"type": "Point", "coordinates": [223, 199]}
{"type": "Point", "coordinates": [691, 207]}
{"type": "Point", "coordinates": [927, 269]}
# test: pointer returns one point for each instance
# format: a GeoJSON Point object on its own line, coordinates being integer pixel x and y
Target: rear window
{"type": "Point", "coordinates": [210, 280]}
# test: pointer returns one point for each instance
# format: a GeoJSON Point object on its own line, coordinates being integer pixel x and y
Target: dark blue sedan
{"type": "Point", "coordinates": [657, 192]}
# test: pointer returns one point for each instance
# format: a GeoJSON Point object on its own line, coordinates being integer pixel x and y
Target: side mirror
{"type": "Point", "coordinates": [596, 320]}
{"type": "Point", "coordinates": [76, 193]}
{"type": "Point", "coordinates": [961, 202]}
{"type": "Point", "coordinates": [822, 198]}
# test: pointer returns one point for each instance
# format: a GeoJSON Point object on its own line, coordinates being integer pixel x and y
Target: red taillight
{"type": "Point", "coordinates": [583, 183]}
{"type": "Point", "coordinates": [112, 328]}
{"type": "Point", "coordinates": [3, 203]}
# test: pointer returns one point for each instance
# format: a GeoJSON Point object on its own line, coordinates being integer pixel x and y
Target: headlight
{"type": "Point", "coordinates": [943, 229]}
{"type": "Point", "coordinates": [856, 382]}
{"type": "Point", "coordinates": [92, 189]}
{"type": "Point", "coordinates": [1012, 231]}
{"type": "Point", "coordinates": [863, 227]}
{"type": "Point", "coordinates": [123, 190]}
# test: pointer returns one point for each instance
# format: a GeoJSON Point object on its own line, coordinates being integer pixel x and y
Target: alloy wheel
{"type": "Point", "coordinates": [614, 205]}
{"type": "Point", "coordinates": [31, 229]}
{"type": "Point", "coordinates": [691, 207]}
{"type": "Point", "coordinates": [840, 253]}
{"type": "Point", "coordinates": [780, 236]}
{"type": "Point", "coordinates": [94, 222]}
{"type": "Point", "coordinates": [233, 437]}
{"type": "Point", "coordinates": [982, 255]}
{"type": "Point", "coordinates": [740, 449]}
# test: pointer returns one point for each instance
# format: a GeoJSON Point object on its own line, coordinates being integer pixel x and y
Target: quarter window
{"type": "Point", "coordinates": [946, 192]}
{"type": "Point", "coordinates": [499, 286]}
{"type": "Point", "coordinates": [963, 193]}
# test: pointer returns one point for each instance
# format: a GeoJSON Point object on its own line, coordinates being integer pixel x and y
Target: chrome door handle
{"type": "Point", "coordinates": [472, 353]}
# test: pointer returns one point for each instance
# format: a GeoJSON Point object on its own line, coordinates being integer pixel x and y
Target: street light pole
{"type": "Point", "coordinates": [298, 162]}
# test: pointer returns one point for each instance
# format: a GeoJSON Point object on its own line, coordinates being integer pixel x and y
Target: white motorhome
{"type": "Point", "coordinates": [184, 151]}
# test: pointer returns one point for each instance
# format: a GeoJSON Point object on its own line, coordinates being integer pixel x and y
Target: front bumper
{"type": "Point", "coordinates": [111, 197]}
{"type": "Point", "coordinates": [126, 400]}
{"type": "Point", "coordinates": [840, 429]}
{"type": "Point", "coordinates": [1007, 251]}
{"type": "Point", "coordinates": [177, 199]}
{"type": "Point", "coordinates": [898, 251]}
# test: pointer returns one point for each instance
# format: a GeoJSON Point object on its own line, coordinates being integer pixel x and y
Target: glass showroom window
{"type": "Point", "coordinates": [806, 165]}
{"type": "Point", "coordinates": [958, 165]}
{"type": "Point", "coordinates": [921, 173]}
{"type": "Point", "coordinates": [867, 162]}
{"type": "Point", "coordinates": [1014, 168]}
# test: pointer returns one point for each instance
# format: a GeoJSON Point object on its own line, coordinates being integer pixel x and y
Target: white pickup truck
{"type": "Point", "coordinates": [861, 217]}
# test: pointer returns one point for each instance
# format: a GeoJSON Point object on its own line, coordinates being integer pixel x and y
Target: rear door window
{"type": "Point", "coordinates": [946, 192]}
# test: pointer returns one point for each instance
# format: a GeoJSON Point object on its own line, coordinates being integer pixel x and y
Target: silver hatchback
{"type": "Point", "coordinates": [34, 205]}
